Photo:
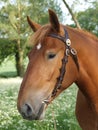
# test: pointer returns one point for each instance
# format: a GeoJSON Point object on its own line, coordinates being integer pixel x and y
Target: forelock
{"type": "Point", "coordinates": [41, 34]}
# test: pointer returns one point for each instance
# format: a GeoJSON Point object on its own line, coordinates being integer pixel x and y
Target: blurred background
{"type": "Point", "coordinates": [14, 48]}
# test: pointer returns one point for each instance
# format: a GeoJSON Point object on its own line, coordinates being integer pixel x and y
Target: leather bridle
{"type": "Point", "coordinates": [68, 51]}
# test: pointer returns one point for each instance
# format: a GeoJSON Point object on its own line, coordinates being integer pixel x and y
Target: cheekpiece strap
{"type": "Point", "coordinates": [68, 51]}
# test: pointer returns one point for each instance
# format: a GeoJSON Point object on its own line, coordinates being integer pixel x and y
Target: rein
{"type": "Point", "coordinates": [68, 51]}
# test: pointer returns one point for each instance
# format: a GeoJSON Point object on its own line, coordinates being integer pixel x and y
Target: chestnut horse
{"type": "Point", "coordinates": [61, 56]}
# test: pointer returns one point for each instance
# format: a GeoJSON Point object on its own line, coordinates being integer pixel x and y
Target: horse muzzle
{"type": "Point", "coordinates": [29, 113]}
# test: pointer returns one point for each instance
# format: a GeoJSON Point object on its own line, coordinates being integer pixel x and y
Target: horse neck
{"type": "Point", "coordinates": [87, 51]}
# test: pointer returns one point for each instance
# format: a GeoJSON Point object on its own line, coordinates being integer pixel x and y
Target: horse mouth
{"type": "Point", "coordinates": [30, 115]}
{"type": "Point", "coordinates": [41, 113]}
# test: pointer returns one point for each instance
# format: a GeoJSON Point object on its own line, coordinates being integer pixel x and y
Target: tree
{"type": "Point", "coordinates": [88, 19]}
{"type": "Point", "coordinates": [13, 24]}
{"type": "Point", "coordinates": [72, 14]}
{"type": "Point", "coordinates": [11, 28]}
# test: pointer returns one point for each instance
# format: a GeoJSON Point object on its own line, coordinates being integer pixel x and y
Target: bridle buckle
{"type": "Point", "coordinates": [67, 52]}
{"type": "Point", "coordinates": [73, 51]}
{"type": "Point", "coordinates": [68, 42]}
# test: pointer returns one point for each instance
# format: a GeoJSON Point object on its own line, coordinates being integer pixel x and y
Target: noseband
{"type": "Point", "coordinates": [68, 51]}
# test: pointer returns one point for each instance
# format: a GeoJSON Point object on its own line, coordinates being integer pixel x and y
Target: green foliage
{"type": "Point", "coordinates": [13, 23]}
{"type": "Point", "coordinates": [7, 48]}
{"type": "Point", "coordinates": [39, 10]}
{"type": "Point", "coordinates": [88, 19]}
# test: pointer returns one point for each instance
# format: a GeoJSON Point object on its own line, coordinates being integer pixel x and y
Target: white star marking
{"type": "Point", "coordinates": [39, 46]}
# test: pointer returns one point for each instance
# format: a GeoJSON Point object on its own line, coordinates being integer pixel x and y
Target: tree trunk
{"type": "Point", "coordinates": [73, 16]}
{"type": "Point", "coordinates": [19, 59]}
{"type": "Point", "coordinates": [19, 48]}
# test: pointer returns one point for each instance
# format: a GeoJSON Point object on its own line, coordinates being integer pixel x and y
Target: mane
{"type": "Point", "coordinates": [90, 35]}
{"type": "Point", "coordinates": [85, 33]}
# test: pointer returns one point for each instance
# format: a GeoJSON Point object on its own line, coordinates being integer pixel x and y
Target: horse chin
{"type": "Point", "coordinates": [42, 116]}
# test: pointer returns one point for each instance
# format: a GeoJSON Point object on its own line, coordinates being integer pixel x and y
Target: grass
{"type": "Point", "coordinates": [59, 115]}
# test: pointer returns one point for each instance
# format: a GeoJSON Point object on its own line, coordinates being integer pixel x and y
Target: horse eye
{"type": "Point", "coordinates": [51, 56]}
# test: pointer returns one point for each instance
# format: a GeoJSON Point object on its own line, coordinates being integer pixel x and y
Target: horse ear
{"type": "Point", "coordinates": [54, 20]}
{"type": "Point", "coordinates": [33, 25]}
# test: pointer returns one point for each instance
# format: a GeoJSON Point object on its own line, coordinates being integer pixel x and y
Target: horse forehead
{"type": "Point", "coordinates": [49, 43]}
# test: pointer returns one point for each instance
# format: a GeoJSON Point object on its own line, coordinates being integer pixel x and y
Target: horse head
{"type": "Point", "coordinates": [45, 77]}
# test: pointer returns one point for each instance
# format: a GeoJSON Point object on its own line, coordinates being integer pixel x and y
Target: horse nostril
{"type": "Point", "coordinates": [29, 109]}
{"type": "Point", "coordinates": [26, 111]}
